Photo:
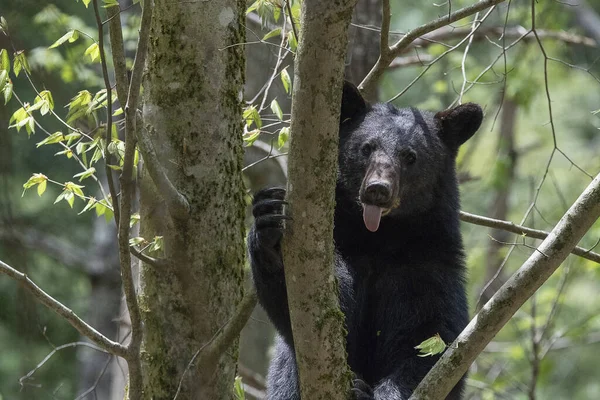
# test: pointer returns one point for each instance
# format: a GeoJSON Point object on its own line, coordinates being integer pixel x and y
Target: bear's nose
{"type": "Point", "coordinates": [378, 194]}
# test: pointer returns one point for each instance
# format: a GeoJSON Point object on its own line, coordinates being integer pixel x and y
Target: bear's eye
{"type": "Point", "coordinates": [410, 157]}
{"type": "Point", "coordinates": [366, 149]}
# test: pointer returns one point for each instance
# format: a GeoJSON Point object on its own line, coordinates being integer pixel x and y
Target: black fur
{"type": "Point", "coordinates": [399, 285]}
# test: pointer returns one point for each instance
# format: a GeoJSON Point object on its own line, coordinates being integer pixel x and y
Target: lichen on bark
{"type": "Point", "coordinates": [192, 113]}
{"type": "Point", "coordinates": [317, 323]}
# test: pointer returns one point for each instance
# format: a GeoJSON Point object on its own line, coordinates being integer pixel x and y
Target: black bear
{"type": "Point", "coordinates": [399, 257]}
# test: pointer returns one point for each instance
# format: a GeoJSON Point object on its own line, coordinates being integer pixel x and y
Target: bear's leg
{"type": "Point", "coordinates": [282, 382]}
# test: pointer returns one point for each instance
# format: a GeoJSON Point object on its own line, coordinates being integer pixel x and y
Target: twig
{"type": "Point", "coordinates": [289, 10]}
{"type": "Point", "coordinates": [224, 336]}
{"type": "Point", "coordinates": [384, 60]}
{"type": "Point", "coordinates": [82, 327]}
{"type": "Point", "coordinates": [155, 262]}
{"type": "Point", "coordinates": [54, 351]}
{"type": "Point", "coordinates": [522, 230]}
{"type": "Point", "coordinates": [464, 59]}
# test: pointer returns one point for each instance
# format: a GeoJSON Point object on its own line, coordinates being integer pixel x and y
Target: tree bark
{"type": "Point", "coordinates": [317, 321]}
{"type": "Point", "coordinates": [512, 295]}
{"type": "Point", "coordinates": [363, 46]}
{"type": "Point", "coordinates": [192, 113]}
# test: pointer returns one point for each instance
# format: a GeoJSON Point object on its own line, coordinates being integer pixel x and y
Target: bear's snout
{"type": "Point", "coordinates": [378, 194]}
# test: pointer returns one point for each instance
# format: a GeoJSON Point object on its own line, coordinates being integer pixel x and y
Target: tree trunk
{"type": "Point", "coordinates": [192, 112]}
{"type": "Point", "coordinates": [363, 46]}
{"type": "Point", "coordinates": [317, 321]}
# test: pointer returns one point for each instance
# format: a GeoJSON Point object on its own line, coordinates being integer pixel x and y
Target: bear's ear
{"type": "Point", "coordinates": [459, 123]}
{"type": "Point", "coordinates": [352, 102]}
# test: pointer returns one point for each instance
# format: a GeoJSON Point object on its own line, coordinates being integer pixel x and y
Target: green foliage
{"type": "Point", "coordinates": [283, 137]}
{"type": "Point", "coordinates": [432, 346]}
{"type": "Point", "coordinates": [238, 389]}
{"type": "Point", "coordinates": [71, 36]}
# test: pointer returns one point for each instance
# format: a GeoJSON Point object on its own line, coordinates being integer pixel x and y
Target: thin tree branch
{"type": "Point", "coordinates": [127, 189]}
{"type": "Point", "coordinates": [115, 32]}
{"type": "Point", "coordinates": [522, 230]}
{"type": "Point", "coordinates": [512, 295]}
{"type": "Point", "coordinates": [385, 59]}
{"type": "Point", "coordinates": [80, 325]}
{"type": "Point", "coordinates": [54, 351]}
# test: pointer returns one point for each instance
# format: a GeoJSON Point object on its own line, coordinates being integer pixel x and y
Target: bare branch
{"type": "Point", "coordinates": [522, 230]}
{"type": "Point", "coordinates": [385, 59]}
{"type": "Point", "coordinates": [512, 295]}
{"type": "Point", "coordinates": [115, 32]}
{"type": "Point", "coordinates": [54, 351]}
{"type": "Point", "coordinates": [82, 327]}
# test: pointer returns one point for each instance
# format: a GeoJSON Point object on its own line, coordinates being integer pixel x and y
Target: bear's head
{"type": "Point", "coordinates": [397, 162]}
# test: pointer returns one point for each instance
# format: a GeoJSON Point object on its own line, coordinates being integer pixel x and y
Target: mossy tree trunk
{"type": "Point", "coordinates": [317, 321]}
{"type": "Point", "coordinates": [192, 112]}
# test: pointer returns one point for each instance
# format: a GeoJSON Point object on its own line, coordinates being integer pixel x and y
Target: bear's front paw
{"type": "Point", "coordinates": [362, 390]}
{"type": "Point", "coordinates": [267, 208]}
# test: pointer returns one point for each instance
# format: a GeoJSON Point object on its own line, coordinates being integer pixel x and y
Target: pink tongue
{"type": "Point", "coordinates": [371, 216]}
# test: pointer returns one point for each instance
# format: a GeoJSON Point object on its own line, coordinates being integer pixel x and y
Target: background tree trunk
{"type": "Point", "coordinates": [192, 95]}
{"type": "Point", "coordinates": [363, 43]}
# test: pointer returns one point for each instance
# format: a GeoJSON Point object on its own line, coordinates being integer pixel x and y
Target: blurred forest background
{"type": "Point", "coordinates": [525, 165]}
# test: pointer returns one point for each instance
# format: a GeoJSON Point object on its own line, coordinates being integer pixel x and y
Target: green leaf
{"type": "Point", "coordinates": [56, 137]}
{"type": "Point", "coordinates": [41, 188]}
{"type": "Point", "coordinates": [86, 3]}
{"type": "Point", "coordinates": [292, 40]}
{"type": "Point", "coordinates": [20, 62]}
{"type": "Point", "coordinates": [3, 26]}
{"type": "Point", "coordinates": [66, 152]}
{"type": "Point", "coordinates": [251, 137]}
{"type": "Point", "coordinates": [285, 79]}
{"type": "Point", "coordinates": [273, 33]}
{"type": "Point", "coordinates": [110, 3]}
{"type": "Point", "coordinates": [71, 137]}
{"type": "Point", "coordinates": [75, 189]}
{"type": "Point", "coordinates": [157, 244]}
{"type": "Point", "coordinates": [136, 241]}
{"type": "Point", "coordinates": [251, 115]}
{"type": "Point", "coordinates": [276, 109]}
{"type": "Point", "coordinates": [118, 111]}
{"type": "Point", "coordinates": [283, 137]}
{"type": "Point", "coordinates": [78, 106]}
{"type": "Point", "coordinates": [238, 389]}
{"type": "Point", "coordinates": [96, 156]}
{"type": "Point", "coordinates": [85, 174]}
{"type": "Point", "coordinates": [71, 36]}
{"type": "Point", "coordinates": [3, 78]}
{"type": "Point", "coordinates": [135, 218]}
{"type": "Point", "coordinates": [46, 102]}
{"type": "Point", "coordinates": [36, 179]}
{"type": "Point", "coordinates": [432, 346]}
{"type": "Point", "coordinates": [90, 204]}
{"type": "Point", "coordinates": [4, 60]}
{"type": "Point", "coordinates": [93, 51]}
{"type": "Point", "coordinates": [8, 89]}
